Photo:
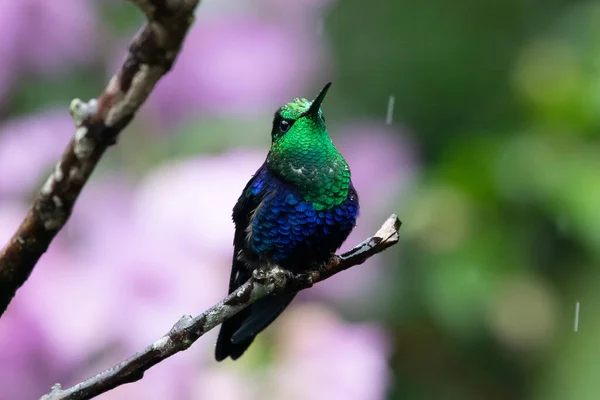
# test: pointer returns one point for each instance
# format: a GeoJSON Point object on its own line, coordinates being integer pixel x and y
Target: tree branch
{"type": "Point", "coordinates": [98, 123]}
{"type": "Point", "coordinates": [187, 330]}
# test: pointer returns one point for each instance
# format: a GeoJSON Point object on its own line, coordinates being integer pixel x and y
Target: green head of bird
{"type": "Point", "coordinates": [303, 154]}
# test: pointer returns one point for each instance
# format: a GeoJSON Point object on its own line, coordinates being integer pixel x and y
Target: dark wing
{"type": "Point", "coordinates": [249, 200]}
{"type": "Point", "coordinates": [238, 333]}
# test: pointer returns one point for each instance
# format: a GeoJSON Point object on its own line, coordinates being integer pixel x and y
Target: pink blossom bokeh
{"type": "Point", "coordinates": [43, 37]}
{"type": "Point", "coordinates": [237, 65]}
{"type": "Point", "coordinates": [143, 248]}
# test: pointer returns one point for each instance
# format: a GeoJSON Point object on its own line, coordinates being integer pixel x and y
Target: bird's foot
{"type": "Point", "coordinates": [299, 281]}
{"type": "Point", "coordinates": [323, 267]}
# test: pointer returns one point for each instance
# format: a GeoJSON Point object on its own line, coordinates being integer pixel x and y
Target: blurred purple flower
{"type": "Point", "coordinates": [108, 287]}
{"type": "Point", "coordinates": [189, 202]}
{"type": "Point", "coordinates": [28, 366]}
{"type": "Point", "coordinates": [29, 146]}
{"type": "Point", "coordinates": [240, 65]}
{"type": "Point", "coordinates": [341, 361]}
{"type": "Point", "coordinates": [226, 383]}
{"type": "Point", "coordinates": [100, 219]}
{"type": "Point", "coordinates": [159, 286]}
{"type": "Point", "coordinates": [54, 34]}
{"type": "Point", "coordinates": [119, 250]}
{"type": "Point", "coordinates": [44, 37]}
{"type": "Point", "coordinates": [74, 302]}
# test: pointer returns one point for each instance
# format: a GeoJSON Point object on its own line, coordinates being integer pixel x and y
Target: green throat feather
{"type": "Point", "coordinates": [305, 156]}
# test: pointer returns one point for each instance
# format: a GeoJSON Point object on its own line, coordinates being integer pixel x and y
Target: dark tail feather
{"type": "Point", "coordinates": [262, 313]}
{"type": "Point", "coordinates": [238, 333]}
{"type": "Point", "coordinates": [239, 275]}
{"type": "Point", "coordinates": [225, 348]}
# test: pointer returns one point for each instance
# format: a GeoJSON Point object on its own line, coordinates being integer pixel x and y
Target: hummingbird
{"type": "Point", "coordinates": [295, 212]}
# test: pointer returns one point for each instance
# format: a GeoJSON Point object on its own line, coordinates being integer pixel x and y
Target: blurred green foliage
{"type": "Point", "coordinates": [501, 231]}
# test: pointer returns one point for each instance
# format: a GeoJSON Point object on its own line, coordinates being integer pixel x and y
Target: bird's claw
{"type": "Point", "coordinates": [299, 281]}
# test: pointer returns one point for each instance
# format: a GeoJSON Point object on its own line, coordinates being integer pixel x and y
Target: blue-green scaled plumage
{"type": "Point", "coordinates": [288, 230]}
{"type": "Point", "coordinates": [297, 210]}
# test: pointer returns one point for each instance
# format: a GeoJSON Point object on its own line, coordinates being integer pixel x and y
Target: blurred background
{"type": "Point", "coordinates": [477, 122]}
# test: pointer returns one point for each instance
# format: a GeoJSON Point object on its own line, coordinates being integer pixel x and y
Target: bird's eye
{"type": "Point", "coordinates": [284, 126]}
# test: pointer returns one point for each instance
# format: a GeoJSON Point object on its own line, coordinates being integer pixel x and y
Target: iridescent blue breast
{"type": "Point", "coordinates": [288, 230]}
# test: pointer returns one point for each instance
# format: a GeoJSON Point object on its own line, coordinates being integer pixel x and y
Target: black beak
{"type": "Point", "coordinates": [316, 104]}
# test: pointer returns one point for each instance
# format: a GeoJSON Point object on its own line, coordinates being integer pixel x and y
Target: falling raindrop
{"type": "Point", "coordinates": [576, 326]}
{"type": "Point", "coordinates": [390, 111]}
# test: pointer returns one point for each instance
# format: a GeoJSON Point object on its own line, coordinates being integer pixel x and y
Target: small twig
{"type": "Point", "coordinates": [187, 330]}
{"type": "Point", "coordinates": [98, 123]}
